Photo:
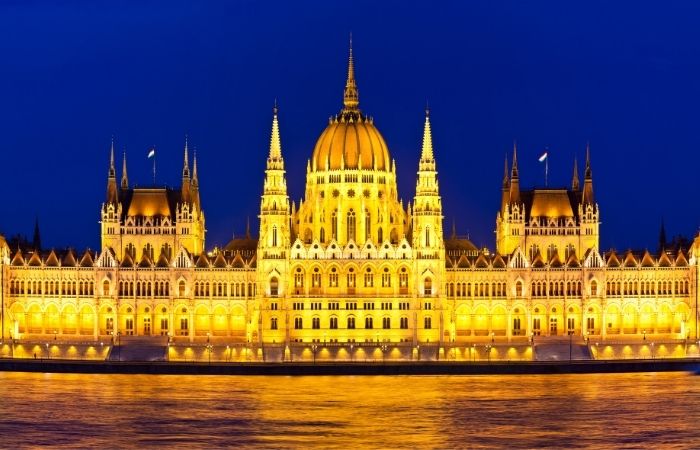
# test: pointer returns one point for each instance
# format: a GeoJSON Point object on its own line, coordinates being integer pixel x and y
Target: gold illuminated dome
{"type": "Point", "coordinates": [351, 141]}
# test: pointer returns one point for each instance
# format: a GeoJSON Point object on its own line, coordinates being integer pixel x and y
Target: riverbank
{"type": "Point", "coordinates": [357, 368]}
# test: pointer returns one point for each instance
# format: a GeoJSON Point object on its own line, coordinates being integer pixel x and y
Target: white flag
{"type": "Point", "coordinates": [543, 157]}
{"type": "Point", "coordinates": [151, 153]}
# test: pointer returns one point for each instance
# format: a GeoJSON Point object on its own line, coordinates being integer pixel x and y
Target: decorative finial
{"type": "Point", "coordinates": [514, 170]}
{"type": "Point", "coordinates": [427, 152]}
{"type": "Point", "coordinates": [505, 171]}
{"type": "Point", "coordinates": [186, 166]}
{"type": "Point", "coordinates": [125, 178]}
{"type": "Point", "coordinates": [351, 96]}
{"type": "Point", "coordinates": [274, 108]}
{"type": "Point", "coordinates": [275, 144]}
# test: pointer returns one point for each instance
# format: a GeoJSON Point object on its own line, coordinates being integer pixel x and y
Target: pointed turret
{"type": "Point", "coordinates": [505, 189]}
{"type": "Point", "coordinates": [274, 207]}
{"type": "Point", "coordinates": [575, 185]}
{"type": "Point", "coordinates": [514, 178]}
{"type": "Point", "coordinates": [125, 178]}
{"type": "Point", "coordinates": [36, 242]}
{"type": "Point", "coordinates": [427, 232]}
{"type": "Point", "coordinates": [588, 198]}
{"type": "Point", "coordinates": [195, 181]}
{"type": "Point", "coordinates": [662, 237]}
{"type": "Point", "coordinates": [351, 98]}
{"type": "Point", "coordinates": [274, 159]}
{"type": "Point", "coordinates": [112, 196]}
{"type": "Point", "coordinates": [186, 182]}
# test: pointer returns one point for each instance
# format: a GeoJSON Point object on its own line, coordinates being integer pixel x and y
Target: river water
{"type": "Point", "coordinates": [108, 411]}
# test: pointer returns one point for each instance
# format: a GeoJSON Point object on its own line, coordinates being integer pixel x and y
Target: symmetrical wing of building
{"type": "Point", "coordinates": [349, 263]}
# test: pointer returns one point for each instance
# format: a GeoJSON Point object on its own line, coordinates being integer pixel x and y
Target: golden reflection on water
{"type": "Point", "coordinates": [610, 410]}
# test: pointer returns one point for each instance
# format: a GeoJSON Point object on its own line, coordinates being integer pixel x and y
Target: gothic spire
{"type": "Point", "coordinates": [195, 178]}
{"type": "Point", "coordinates": [112, 195]}
{"type": "Point", "coordinates": [37, 236]}
{"type": "Point", "coordinates": [427, 152]}
{"type": "Point", "coordinates": [112, 170]}
{"type": "Point", "coordinates": [125, 178]}
{"type": "Point", "coordinates": [506, 181]}
{"type": "Point", "coordinates": [351, 99]}
{"type": "Point", "coordinates": [662, 237]}
{"type": "Point", "coordinates": [588, 198]}
{"type": "Point", "coordinates": [575, 185]}
{"type": "Point", "coordinates": [275, 144]}
{"type": "Point", "coordinates": [514, 178]}
{"type": "Point", "coordinates": [186, 166]}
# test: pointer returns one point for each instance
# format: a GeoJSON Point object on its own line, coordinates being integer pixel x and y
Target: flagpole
{"type": "Point", "coordinates": [154, 168]}
{"type": "Point", "coordinates": [546, 169]}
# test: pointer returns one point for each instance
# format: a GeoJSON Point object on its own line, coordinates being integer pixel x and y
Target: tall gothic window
{"type": "Point", "coordinates": [427, 236]}
{"type": "Point", "coordinates": [274, 236]}
{"type": "Point", "coordinates": [380, 235]}
{"type": "Point", "coordinates": [334, 225]}
{"type": "Point", "coordinates": [323, 235]}
{"type": "Point", "coordinates": [368, 225]}
{"type": "Point", "coordinates": [351, 225]}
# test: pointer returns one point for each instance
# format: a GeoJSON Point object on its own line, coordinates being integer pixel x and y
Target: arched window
{"type": "Point", "coordinates": [427, 323]}
{"type": "Point", "coordinates": [298, 323]}
{"type": "Point", "coordinates": [519, 289]}
{"type": "Point", "coordinates": [333, 325]}
{"type": "Point", "coordinates": [323, 235]}
{"type": "Point", "coordinates": [273, 323]}
{"type": "Point", "coordinates": [351, 323]}
{"type": "Point", "coordinates": [351, 225]}
{"type": "Point", "coordinates": [105, 287]}
{"type": "Point", "coordinates": [368, 225]}
{"type": "Point", "coordinates": [369, 324]}
{"type": "Point", "coordinates": [148, 250]}
{"type": "Point", "coordinates": [386, 323]}
{"type": "Point", "coordinates": [594, 288]}
{"type": "Point", "coordinates": [380, 235]}
{"type": "Point", "coordinates": [274, 287]}
{"type": "Point", "coordinates": [427, 236]}
{"type": "Point", "coordinates": [274, 236]}
{"type": "Point", "coordinates": [428, 286]}
{"type": "Point", "coordinates": [316, 323]}
{"type": "Point", "coordinates": [334, 224]}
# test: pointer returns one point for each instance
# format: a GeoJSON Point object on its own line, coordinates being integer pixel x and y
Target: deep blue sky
{"type": "Point", "coordinates": [625, 77]}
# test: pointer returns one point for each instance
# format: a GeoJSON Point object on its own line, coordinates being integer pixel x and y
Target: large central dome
{"type": "Point", "coordinates": [351, 141]}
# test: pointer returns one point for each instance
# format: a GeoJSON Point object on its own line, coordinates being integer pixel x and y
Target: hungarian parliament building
{"type": "Point", "coordinates": [350, 263]}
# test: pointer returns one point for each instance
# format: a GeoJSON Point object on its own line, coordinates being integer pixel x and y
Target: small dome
{"type": "Point", "coordinates": [461, 245]}
{"type": "Point", "coordinates": [242, 245]}
{"type": "Point", "coordinates": [351, 141]}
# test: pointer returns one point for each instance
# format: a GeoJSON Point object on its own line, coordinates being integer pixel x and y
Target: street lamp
{"type": "Point", "coordinates": [384, 348]}
{"type": "Point", "coordinates": [493, 339]}
{"type": "Point", "coordinates": [351, 356]}
{"type": "Point", "coordinates": [313, 350]}
{"type": "Point", "coordinates": [209, 349]}
{"type": "Point", "coordinates": [228, 351]}
{"type": "Point", "coordinates": [488, 352]}
{"type": "Point", "coordinates": [48, 355]}
{"type": "Point", "coordinates": [644, 332]}
{"type": "Point", "coordinates": [55, 335]}
{"type": "Point", "coordinates": [119, 346]}
{"type": "Point", "coordinates": [418, 351]}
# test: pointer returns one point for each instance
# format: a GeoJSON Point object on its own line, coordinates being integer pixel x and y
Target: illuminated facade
{"type": "Point", "coordinates": [350, 263]}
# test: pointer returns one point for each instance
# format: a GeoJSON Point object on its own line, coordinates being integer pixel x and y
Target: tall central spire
{"type": "Point", "coordinates": [275, 145]}
{"type": "Point", "coordinates": [427, 155]}
{"type": "Point", "coordinates": [186, 165]}
{"type": "Point", "coordinates": [351, 99]}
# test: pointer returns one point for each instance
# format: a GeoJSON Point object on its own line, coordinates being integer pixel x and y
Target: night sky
{"type": "Point", "coordinates": [624, 77]}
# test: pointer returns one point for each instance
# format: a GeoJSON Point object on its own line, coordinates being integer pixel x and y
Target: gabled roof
{"type": "Point", "coordinates": [498, 262]}
{"type": "Point", "coordinates": [463, 262]}
{"type": "Point", "coordinates": [664, 260]}
{"type": "Point", "coordinates": [681, 260]}
{"type": "Point", "coordinates": [555, 261]}
{"type": "Point", "coordinates": [162, 260]}
{"type": "Point", "coordinates": [613, 260]}
{"type": "Point", "coordinates": [481, 262]}
{"type": "Point", "coordinates": [69, 259]}
{"type": "Point", "coordinates": [52, 260]}
{"type": "Point", "coordinates": [647, 260]}
{"type": "Point", "coordinates": [220, 262]}
{"type": "Point", "coordinates": [86, 260]}
{"type": "Point", "coordinates": [17, 260]}
{"type": "Point", "coordinates": [127, 260]}
{"type": "Point", "coordinates": [573, 260]}
{"type": "Point", "coordinates": [629, 260]}
{"type": "Point", "coordinates": [538, 261]}
{"type": "Point", "coordinates": [202, 261]}
{"type": "Point", "coordinates": [34, 260]}
{"type": "Point", "coordinates": [238, 262]}
{"type": "Point", "coordinates": [145, 261]}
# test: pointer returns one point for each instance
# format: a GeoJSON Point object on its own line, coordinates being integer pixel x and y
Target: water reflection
{"type": "Point", "coordinates": [451, 411]}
